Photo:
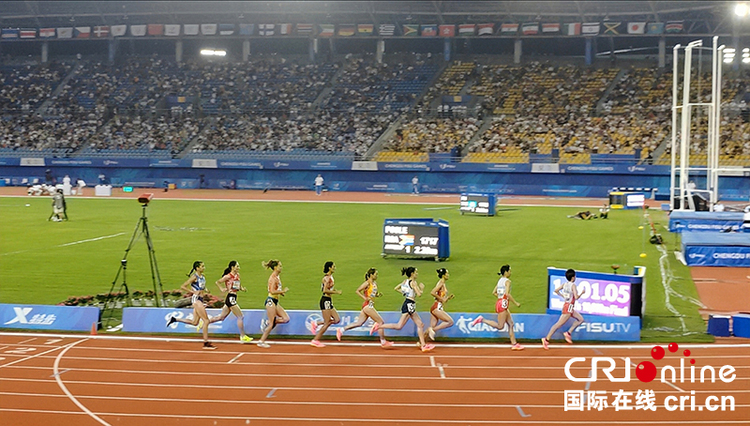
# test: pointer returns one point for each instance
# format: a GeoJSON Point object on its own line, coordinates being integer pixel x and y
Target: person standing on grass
{"type": "Point", "coordinates": [437, 314]}
{"type": "Point", "coordinates": [502, 292]}
{"type": "Point", "coordinates": [330, 315]}
{"type": "Point", "coordinates": [276, 314]}
{"type": "Point", "coordinates": [569, 292]}
{"type": "Point", "coordinates": [409, 289]}
{"type": "Point", "coordinates": [230, 283]}
{"type": "Point", "coordinates": [196, 285]}
{"type": "Point", "coordinates": [318, 184]}
{"type": "Point", "coordinates": [368, 291]}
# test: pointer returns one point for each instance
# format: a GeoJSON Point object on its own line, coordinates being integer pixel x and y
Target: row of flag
{"type": "Point", "coordinates": [347, 30]}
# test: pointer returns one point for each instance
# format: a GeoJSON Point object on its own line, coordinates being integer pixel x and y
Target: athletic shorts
{"type": "Point", "coordinates": [231, 300]}
{"type": "Point", "coordinates": [501, 305]}
{"type": "Point", "coordinates": [437, 306]}
{"type": "Point", "coordinates": [270, 300]}
{"type": "Point", "coordinates": [568, 308]}
{"type": "Point", "coordinates": [325, 303]}
{"type": "Point", "coordinates": [409, 307]}
{"type": "Point", "coordinates": [368, 303]}
{"type": "Point", "coordinates": [196, 298]}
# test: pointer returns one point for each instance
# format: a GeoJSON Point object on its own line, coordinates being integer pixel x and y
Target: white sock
{"type": "Point", "coordinates": [382, 340]}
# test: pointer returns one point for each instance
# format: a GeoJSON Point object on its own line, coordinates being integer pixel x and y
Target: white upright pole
{"type": "Point", "coordinates": [711, 136]}
{"type": "Point", "coordinates": [672, 173]}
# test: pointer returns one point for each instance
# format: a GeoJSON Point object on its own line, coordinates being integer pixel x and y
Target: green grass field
{"type": "Point", "coordinates": [46, 262]}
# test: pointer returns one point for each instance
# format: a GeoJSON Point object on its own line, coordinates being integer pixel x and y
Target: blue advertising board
{"type": "Point", "coordinates": [48, 317]}
{"type": "Point", "coordinates": [527, 326]}
{"type": "Point", "coordinates": [683, 221]}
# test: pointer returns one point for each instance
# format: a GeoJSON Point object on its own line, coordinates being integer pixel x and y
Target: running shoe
{"type": "Point", "coordinates": [171, 321]}
{"type": "Point", "coordinates": [568, 338]}
{"type": "Point", "coordinates": [317, 344]}
{"type": "Point", "coordinates": [545, 343]}
{"type": "Point", "coordinates": [386, 344]}
{"type": "Point", "coordinates": [428, 347]}
{"type": "Point", "coordinates": [263, 345]}
{"type": "Point", "coordinates": [208, 346]}
{"type": "Point", "coordinates": [517, 347]}
{"type": "Point", "coordinates": [477, 320]}
{"type": "Point", "coordinates": [431, 333]}
{"type": "Point", "coordinates": [339, 333]}
{"type": "Point", "coordinates": [374, 328]}
{"type": "Point", "coordinates": [314, 327]}
{"type": "Point", "coordinates": [246, 339]}
{"type": "Point", "coordinates": [200, 325]}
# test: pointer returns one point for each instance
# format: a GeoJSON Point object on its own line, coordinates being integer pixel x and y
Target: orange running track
{"type": "Point", "coordinates": [50, 379]}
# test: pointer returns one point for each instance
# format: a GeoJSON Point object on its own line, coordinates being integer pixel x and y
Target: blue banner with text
{"type": "Point", "coordinates": [48, 317]}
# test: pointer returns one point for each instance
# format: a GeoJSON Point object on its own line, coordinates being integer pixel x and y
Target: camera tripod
{"type": "Point", "coordinates": [141, 228]}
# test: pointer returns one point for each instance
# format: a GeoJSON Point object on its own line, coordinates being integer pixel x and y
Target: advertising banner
{"type": "Point", "coordinates": [601, 294]}
{"type": "Point", "coordinates": [48, 317]}
{"type": "Point", "coordinates": [697, 255]}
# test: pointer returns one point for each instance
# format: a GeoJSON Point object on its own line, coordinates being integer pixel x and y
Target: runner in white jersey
{"type": "Point", "coordinates": [196, 285]}
{"type": "Point", "coordinates": [569, 292]}
{"type": "Point", "coordinates": [502, 292]}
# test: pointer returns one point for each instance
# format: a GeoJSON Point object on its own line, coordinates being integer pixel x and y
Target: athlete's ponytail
{"type": "Point", "coordinates": [441, 272]}
{"type": "Point", "coordinates": [229, 268]}
{"type": "Point", "coordinates": [327, 267]}
{"type": "Point", "coordinates": [271, 264]}
{"type": "Point", "coordinates": [370, 272]}
{"type": "Point", "coordinates": [196, 265]}
{"type": "Point", "coordinates": [408, 271]}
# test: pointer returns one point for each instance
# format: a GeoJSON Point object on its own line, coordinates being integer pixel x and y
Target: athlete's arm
{"type": "Point", "coordinates": [185, 287]}
{"type": "Point", "coordinates": [223, 281]}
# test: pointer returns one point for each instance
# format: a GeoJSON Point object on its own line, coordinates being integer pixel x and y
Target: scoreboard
{"type": "Point", "coordinates": [416, 238]}
{"type": "Point", "coordinates": [617, 295]}
{"type": "Point", "coordinates": [478, 203]}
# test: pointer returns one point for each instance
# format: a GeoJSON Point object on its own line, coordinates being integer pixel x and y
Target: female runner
{"type": "Point", "coordinates": [230, 283]}
{"type": "Point", "coordinates": [502, 292]}
{"type": "Point", "coordinates": [437, 313]}
{"type": "Point", "coordinates": [409, 288]}
{"type": "Point", "coordinates": [569, 292]}
{"type": "Point", "coordinates": [330, 315]}
{"type": "Point", "coordinates": [196, 285]}
{"type": "Point", "coordinates": [276, 314]}
{"type": "Point", "coordinates": [368, 291]}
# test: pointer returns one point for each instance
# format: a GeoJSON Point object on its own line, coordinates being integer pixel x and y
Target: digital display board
{"type": "Point", "coordinates": [626, 200]}
{"type": "Point", "coordinates": [421, 238]}
{"type": "Point", "coordinates": [605, 294]}
{"type": "Point", "coordinates": [481, 204]}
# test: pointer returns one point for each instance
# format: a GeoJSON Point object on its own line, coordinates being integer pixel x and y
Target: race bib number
{"type": "Point", "coordinates": [504, 304]}
{"type": "Point", "coordinates": [235, 285]}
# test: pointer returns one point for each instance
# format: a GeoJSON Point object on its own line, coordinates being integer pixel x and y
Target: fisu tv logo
{"type": "Point", "coordinates": [646, 371]}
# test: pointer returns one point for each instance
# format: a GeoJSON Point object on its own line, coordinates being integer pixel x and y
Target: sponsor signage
{"type": "Point", "coordinates": [48, 317]}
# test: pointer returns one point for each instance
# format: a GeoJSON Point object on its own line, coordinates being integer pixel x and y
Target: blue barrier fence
{"type": "Point", "coordinates": [527, 326]}
{"type": "Point", "coordinates": [48, 317]}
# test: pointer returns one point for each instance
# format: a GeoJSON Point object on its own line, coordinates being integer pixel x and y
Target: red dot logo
{"type": "Point", "coordinates": [673, 347]}
{"type": "Point", "coordinates": [686, 352]}
{"type": "Point", "coordinates": [657, 352]}
{"type": "Point", "coordinates": [646, 371]}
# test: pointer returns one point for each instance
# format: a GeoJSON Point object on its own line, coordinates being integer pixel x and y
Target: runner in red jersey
{"type": "Point", "coordinates": [230, 283]}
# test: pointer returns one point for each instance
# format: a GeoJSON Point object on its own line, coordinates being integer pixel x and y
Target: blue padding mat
{"type": "Point", "coordinates": [706, 215]}
{"type": "Point", "coordinates": [683, 221]}
{"type": "Point", "coordinates": [741, 239]}
{"type": "Point", "coordinates": [716, 249]}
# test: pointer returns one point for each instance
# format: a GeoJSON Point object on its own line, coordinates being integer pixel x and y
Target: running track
{"type": "Point", "coordinates": [50, 379]}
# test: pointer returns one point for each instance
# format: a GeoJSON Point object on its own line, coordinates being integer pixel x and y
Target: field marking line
{"type": "Point", "coordinates": [270, 394]}
{"type": "Point", "coordinates": [26, 341]}
{"type": "Point", "coordinates": [668, 383]}
{"type": "Point", "coordinates": [91, 239]}
{"type": "Point", "coordinates": [236, 358]}
{"type": "Point", "coordinates": [56, 367]}
{"type": "Point", "coordinates": [57, 374]}
{"type": "Point", "coordinates": [30, 357]}
{"type": "Point", "coordinates": [432, 361]}
{"type": "Point", "coordinates": [520, 411]}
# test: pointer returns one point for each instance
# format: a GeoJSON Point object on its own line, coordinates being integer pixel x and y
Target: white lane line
{"type": "Point", "coordinates": [432, 361]}
{"type": "Point", "coordinates": [57, 374]}
{"type": "Point", "coordinates": [90, 240]}
{"type": "Point", "coordinates": [26, 341]}
{"type": "Point", "coordinates": [235, 358]}
{"type": "Point", "coordinates": [65, 389]}
{"type": "Point", "coordinates": [670, 384]}
{"type": "Point", "coordinates": [442, 371]}
{"type": "Point", "coordinates": [520, 411]}
{"type": "Point", "coordinates": [30, 357]}
{"type": "Point", "coordinates": [270, 394]}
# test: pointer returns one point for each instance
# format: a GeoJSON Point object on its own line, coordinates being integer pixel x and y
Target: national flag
{"type": "Point", "coordinates": [81, 32]}
{"type": "Point", "coordinates": [447, 30]}
{"type": "Point", "coordinates": [655, 28]}
{"type": "Point", "coordinates": [119, 30]}
{"type": "Point", "coordinates": [247, 29]}
{"type": "Point", "coordinates": [429, 30]}
{"type": "Point", "coordinates": [508, 28]}
{"type": "Point", "coordinates": [10, 33]}
{"type": "Point", "coordinates": [172, 30]}
{"type": "Point", "coordinates": [573, 29]}
{"type": "Point", "coordinates": [101, 31]}
{"type": "Point", "coordinates": [485, 29]}
{"type": "Point", "coordinates": [550, 28]}
{"type": "Point", "coordinates": [410, 30]}
{"type": "Point", "coordinates": [386, 29]}
{"type": "Point", "coordinates": [285, 29]}
{"type": "Point", "coordinates": [190, 29]}
{"type": "Point", "coordinates": [612, 27]}
{"type": "Point", "coordinates": [326, 30]}
{"type": "Point", "coordinates": [365, 29]}
{"type": "Point", "coordinates": [305, 29]}
{"type": "Point", "coordinates": [138, 30]}
{"type": "Point", "coordinates": [530, 28]}
{"type": "Point", "coordinates": [636, 27]}
{"type": "Point", "coordinates": [155, 29]}
{"type": "Point", "coordinates": [209, 29]}
{"type": "Point", "coordinates": [226, 29]}
{"type": "Point", "coordinates": [269, 30]}
{"type": "Point", "coordinates": [590, 28]}
{"type": "Point", "coordinates": [466, 29]}
{"type": "Point", "coordinates": [46, 32]}
{"type": "Point", "coordinates": [28, 32]}
{"type": "Point", "coordinates": [347, 30]}
{"type": "Point", "coordinates": [65, 32]}
{"type": "Point", "coordinates": [674, 27]}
